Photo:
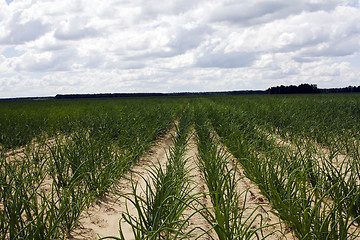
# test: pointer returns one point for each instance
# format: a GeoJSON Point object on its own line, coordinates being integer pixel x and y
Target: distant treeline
{"type": "Point", "coordinates": [310, 88]}
{"type": "Point", "coordinates": [185, 94]}
{"type": "Point", "coordinates": [292, 89]}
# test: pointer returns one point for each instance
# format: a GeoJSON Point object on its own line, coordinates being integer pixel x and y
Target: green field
{"type": "Point", "coordinates": [58, 157]}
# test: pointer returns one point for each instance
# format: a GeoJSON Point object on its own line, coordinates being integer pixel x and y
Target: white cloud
{"type": "Point", "coordinates": [151, 9]}
{"type": "Point", "coordinates": [250, 12]}
{"type": "Point", "coordinates": [220, 59]}
{"type": "Point", "coordinates": [74, 29]}
{"type": "Point", "coordinates": [53, 46]}
{"type": "Point", "coordinates": [47, 61]}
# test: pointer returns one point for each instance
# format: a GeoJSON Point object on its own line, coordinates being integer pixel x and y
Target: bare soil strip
{"type": "Point", "coordinates": [199, 190]}
{"type": "Point", "coordinates": [255, 201]}
{"type": "Point", "coordinates": [102, 219]}
{"type": "Point", "coordinates": [321, 151]}
{"type": "Point", "coordinates": [321, 154]}
{"type": "Point", "coordinates": [20, 152]}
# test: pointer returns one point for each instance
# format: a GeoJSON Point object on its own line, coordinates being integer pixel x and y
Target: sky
{"type": "Point", "coordinates": [50, 47]}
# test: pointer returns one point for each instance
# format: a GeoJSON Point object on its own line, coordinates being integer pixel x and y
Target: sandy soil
{"type": "Point", "coordinates": [102, 219]}
{"type": "Point", "coordinates": [256, 204]}
{"type": "Point", "coordinates": [199, 189]}
{"type": "Point", "coordinates": [32, 146]}
{"type": "Point", "coordinates": [253, 198]}
{"type": "Point", "coordinates": [321, 153]}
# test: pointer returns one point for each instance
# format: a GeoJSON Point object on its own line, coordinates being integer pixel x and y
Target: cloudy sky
{"type": "Point", "coordinates": [76, 46]}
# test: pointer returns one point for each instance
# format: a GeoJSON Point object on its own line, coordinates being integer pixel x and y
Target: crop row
{"type": "Point", "coordinates": [161, 203]}
{"type": "Point", "coordinates": [167, 195]}
{"type": "Point", "coordinates": [24, 121]}
{"type": "Point", "coordinates": [329, 120]}
{"type": "Point", "coordinates": [315, 197]}
{"type": "Point", "coordinates": [45, 188]}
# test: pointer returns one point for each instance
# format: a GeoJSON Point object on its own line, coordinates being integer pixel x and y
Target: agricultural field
{"type": "Point", "coordinates": [220, 167]}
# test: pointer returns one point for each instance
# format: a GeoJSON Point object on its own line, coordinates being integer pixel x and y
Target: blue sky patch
{"type": "Point", "coordinates": [12, 52]}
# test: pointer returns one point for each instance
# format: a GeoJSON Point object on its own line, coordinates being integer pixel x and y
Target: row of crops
{"type": "Point", "coordinates": [301, 151]}
{"type": "Point", "coordinates": [311, 177]}
{"type": "Point", "coordinates": [167, 203]}
{"type": "Point", "coordinates": [73, 152]}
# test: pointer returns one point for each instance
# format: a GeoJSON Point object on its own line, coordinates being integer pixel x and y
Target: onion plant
{"type": "Point", "coordinates": [166, 195]}
{"type": "Point", "coordinates": [26, 212]}
{"type": "Point", "coordinates": [227, 215]}
{"type": "Point", "coordinates": [74, 151]}
{"type": "Point", "coordinates": [291, 178]}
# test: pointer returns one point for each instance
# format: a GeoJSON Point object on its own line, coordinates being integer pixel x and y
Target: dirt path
{"type": "Point", "coordinates": [199, 189]}
{"type": "Point", "coordinates": [253, 199]}
{"type": "Point", "coordinates": [257, 204]}
{"type": "Point", "coordinates": [322, 156]}
{"type": "Point", "coordinates": [102, 219]}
